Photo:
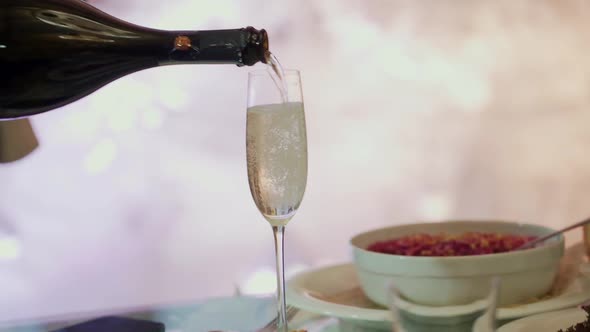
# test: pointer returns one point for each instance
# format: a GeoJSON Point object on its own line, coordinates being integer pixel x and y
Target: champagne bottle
{"type": "Point", "coordinates": [54, 52]}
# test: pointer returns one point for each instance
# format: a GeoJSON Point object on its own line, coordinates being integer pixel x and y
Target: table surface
{"type": "Point", "coordinates": [232, 313]}
{"type": "Point", "coordinates": [225, 314]}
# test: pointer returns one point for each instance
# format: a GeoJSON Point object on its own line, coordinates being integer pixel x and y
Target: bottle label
{"type": "Point", "coordinates": [182, 43]}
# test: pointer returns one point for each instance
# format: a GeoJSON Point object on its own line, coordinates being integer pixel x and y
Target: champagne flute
{"type": "Point", "coordinates": [276, 143]}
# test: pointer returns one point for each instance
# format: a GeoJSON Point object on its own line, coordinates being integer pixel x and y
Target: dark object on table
{"type": "Point", "coordinates": [17, 140]}
{"type": "Point", "coordinates": [115, 324]}
{"type": "Point", "coordinates": [583, 326]}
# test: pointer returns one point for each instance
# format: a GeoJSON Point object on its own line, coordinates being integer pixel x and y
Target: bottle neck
{"type": "Point", "coordinates": [242, 47]}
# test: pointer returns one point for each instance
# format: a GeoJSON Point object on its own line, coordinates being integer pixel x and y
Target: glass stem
{"type": "Point", "coordinates": [279, 235]}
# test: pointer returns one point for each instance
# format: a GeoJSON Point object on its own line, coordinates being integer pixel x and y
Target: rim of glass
{"type": "Point", "coordinates": [288, 72]}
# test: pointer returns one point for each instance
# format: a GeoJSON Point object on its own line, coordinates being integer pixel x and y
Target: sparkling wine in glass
{"type": "Point", "coordinates": [276, 142]}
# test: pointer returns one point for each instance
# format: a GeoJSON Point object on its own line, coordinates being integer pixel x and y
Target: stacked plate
{"type": "Point", "coordinates": [335, 291]}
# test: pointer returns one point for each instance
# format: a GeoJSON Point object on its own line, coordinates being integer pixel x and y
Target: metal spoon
{"type": "Point", "coordinates": [533, 243]}
{"type": "Point", "coordinates": [272, 325]}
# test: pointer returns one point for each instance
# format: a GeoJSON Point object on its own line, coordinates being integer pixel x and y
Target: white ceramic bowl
{"type": "Point", "coordinates": [439, 281]}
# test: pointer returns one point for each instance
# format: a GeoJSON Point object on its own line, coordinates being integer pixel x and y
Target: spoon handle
{"type": "Point", "coordinates": [547, 237]}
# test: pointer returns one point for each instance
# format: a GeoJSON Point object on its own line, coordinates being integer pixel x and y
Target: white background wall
{"type": "Point", "coordinates": [417, 110]}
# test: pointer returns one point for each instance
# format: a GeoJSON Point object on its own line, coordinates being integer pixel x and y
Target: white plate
{"type": "Point", "coordinates": [546, 322]}
{"type": "Point", "coordinates": [335, 291]}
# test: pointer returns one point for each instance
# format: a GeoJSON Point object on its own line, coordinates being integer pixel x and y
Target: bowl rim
{"type": "Point", "coordinates": [550, 244]}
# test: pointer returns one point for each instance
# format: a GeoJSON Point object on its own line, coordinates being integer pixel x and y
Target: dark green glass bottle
{"type": "Point", "coordinates": [54, 52]}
